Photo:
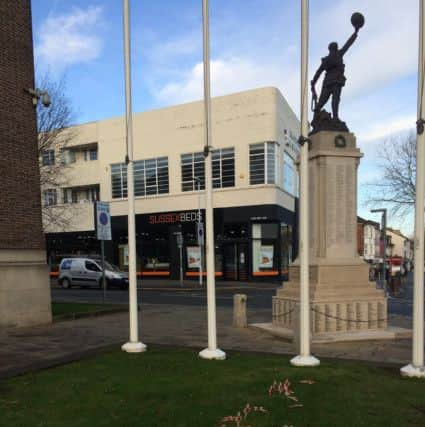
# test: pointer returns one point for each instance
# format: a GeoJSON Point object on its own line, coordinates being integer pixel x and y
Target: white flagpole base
{"type": "Point", "coordinates": [216, 354]}
{"type": "Point", "coordinates": [305, 361]}
{"type": "Point", "coordinates": [413, 371]}
{"type": "Point", "coordinates": [134, 347]}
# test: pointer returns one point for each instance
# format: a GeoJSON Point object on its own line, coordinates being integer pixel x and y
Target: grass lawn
{"type": "Point", "coordinates": [173, 387]}
{"type": "Point", "coordinates": [61, 308]}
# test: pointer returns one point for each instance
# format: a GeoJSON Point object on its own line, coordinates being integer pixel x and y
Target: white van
{"type": "Point", "coordinates": [87, 272]}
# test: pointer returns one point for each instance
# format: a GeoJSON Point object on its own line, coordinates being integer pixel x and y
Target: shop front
{"type": "Point", "coordinates": [251, 243]}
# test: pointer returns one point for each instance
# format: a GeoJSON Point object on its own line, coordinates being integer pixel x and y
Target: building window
{"type": "Point", "coordinates": [193, 166]}
{"type": "Point", "coordinates": [68, 156]}
{"type": "Point", "coordinates": [70, 195]}
{"type": "Point", "coordinates": [92, 194]}
{"type": "Point", "coordinates": [81, 194]}
{"type": "Point", "coordinates": [119, 180]}
{"type": "Point", "coordinates": [151, 177]}
{"type": "Point", "coordinates": [223, 167]}
{"type": "Point", "coordinates": [90, 154]}
{"type": "Point", "coordinates": [289, 174]}
{"type": "Point", "coordinates": [50, 197]}
{"type": "Point", "coordinates": [48, 157]}
{"type": "Point", "coordinates": [262, 163]}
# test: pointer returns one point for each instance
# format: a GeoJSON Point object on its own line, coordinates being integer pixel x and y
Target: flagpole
{"type": "Point", "coordinates": [416, 368]}
{"type": "Point", "coordinates": [133, 345]}
{"type": "Point", "coordinates": [304, 358]}
{"type": "Point", "coordinates": [211, 352]}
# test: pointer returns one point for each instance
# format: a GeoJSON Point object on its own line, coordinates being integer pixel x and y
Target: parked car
{"type": "Point", "coordinates": [87, 272]}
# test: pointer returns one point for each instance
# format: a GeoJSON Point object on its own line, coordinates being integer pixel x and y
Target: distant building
{"type": "Point", "coordinates": [368, 240]}
{"type": "Point", "coordinates": [400, 245]}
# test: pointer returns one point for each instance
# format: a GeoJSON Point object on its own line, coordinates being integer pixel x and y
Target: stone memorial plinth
{"type": "Point", "coordinates": [344, 303]}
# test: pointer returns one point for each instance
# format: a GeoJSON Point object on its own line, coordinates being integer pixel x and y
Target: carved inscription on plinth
{"type": "Point", "coordinates": [350, 199]}
{"type": "Point", "coordinates": [340, 203]}
{"type": "Point", "coordinates": [331, 206]}
{"type": "Point", "coordinates": [340, 206]}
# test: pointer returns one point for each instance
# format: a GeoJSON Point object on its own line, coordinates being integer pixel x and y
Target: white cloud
{"type": "Point", "coordinates": [385, 129]}
{"type": "Point", "coordinates": [386, 48]}
{"type": "Point", "coordinates": [69, 38]}
{"type": "Point", "coordinates": [227, 76]}
{"type": "Point", "coordinates": [385, 53]}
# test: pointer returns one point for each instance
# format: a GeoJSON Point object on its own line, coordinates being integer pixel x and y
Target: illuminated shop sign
{"type": "Point", "coordinates": [175, 218]}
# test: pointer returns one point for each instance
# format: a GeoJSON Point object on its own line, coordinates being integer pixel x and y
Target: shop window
{"type": "Point", "coordinates": [155, 250]}
{"type": "Point", "coordinates": [151, 177]}
{"type": "Point", "coordinates": [264, 249]}
{"type": "Point", "coordinates": [235, 231]}
{"type": "Point", "coordinates": [223, 167]}
{"type": "Point", "coordinates": [193, 166]}
{"type": "Point", "coordinates": [262, 163]}
{"type": "Point", "coordinates": [119, 180]}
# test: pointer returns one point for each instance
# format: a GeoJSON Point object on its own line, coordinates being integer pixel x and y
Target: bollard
{"type": "Point", "coordinates": [239, 311]}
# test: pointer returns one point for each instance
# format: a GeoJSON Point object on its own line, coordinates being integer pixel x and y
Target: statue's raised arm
{"type": "Point", "coordinates": [349, 43]}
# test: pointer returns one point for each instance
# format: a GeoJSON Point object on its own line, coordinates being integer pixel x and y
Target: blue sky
{"type": "Point", "coordinates": [254, 43]}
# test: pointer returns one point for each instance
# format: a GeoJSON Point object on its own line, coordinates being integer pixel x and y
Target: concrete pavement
{"type": "Point", "coordinates": [26, 349]}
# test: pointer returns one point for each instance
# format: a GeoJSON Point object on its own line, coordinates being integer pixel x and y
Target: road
{"type": "Point", "coordinates": [257, 298]}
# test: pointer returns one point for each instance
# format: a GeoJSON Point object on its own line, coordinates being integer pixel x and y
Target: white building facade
{"type": "Point", "coordinates": [255, 180]}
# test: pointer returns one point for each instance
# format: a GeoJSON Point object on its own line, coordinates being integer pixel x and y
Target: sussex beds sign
{"type": "Point", "coordinates": [175, 218]}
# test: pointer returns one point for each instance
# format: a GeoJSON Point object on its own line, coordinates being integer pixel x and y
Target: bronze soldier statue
{"type": "Point", "coordinates": [333, 82]}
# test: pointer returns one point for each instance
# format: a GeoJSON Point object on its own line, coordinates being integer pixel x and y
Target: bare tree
{"type": "Point", "coordinates": [395, 188]}
{"type": "Point", "coordinates": [54, 136]}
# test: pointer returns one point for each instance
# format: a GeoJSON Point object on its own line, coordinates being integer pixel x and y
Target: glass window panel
{"type": "Point", "coordinates": [192, 165]}
{"type": "Point", "coordinates": [264, 248]}
{"type": "Point", "coordinates": [48, 157]}
{"type": "Point", "coordinates": [119, 180]}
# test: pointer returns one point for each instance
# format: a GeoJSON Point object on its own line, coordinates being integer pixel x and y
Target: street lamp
{"type": "Point", "coordinates": [384, 239]}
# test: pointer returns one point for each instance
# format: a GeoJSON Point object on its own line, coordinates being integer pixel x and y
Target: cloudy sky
{"type": "Point", "coordinates": [254, 43]}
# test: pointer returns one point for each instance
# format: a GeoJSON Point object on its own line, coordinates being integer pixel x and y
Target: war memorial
{"type": "Point", "coordinates": [344, 303]}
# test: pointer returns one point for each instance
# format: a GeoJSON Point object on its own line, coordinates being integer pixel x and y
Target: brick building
{"type": "Point", "coordinates": [24, 290]}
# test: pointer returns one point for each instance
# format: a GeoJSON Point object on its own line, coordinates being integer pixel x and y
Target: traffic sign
{"type": "Point", "coordinates": [200, 233]}
{"type": "Point", "coordinates": [103, 221]}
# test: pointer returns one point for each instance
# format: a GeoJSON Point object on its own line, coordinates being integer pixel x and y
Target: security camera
{"type": "Point", "coordinates": [45, 99]}
{"type": "Point", "coordinates": [38, 94]}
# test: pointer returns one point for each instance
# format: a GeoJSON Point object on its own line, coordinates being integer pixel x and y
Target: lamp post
{"type": "Point", "coordinates": [304, 358]}
{"type": "Point", "coordinates": [212, 352]}
{"type": "Point", "coordinates": [133, 345]}
{"type": "Point", "coordinates": [384, 240]}
{"type": "Point", "coordinates": [417, 368]}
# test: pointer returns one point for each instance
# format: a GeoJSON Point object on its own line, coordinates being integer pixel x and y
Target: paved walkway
{"type": "Point", "coordinates": [27, 349]}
